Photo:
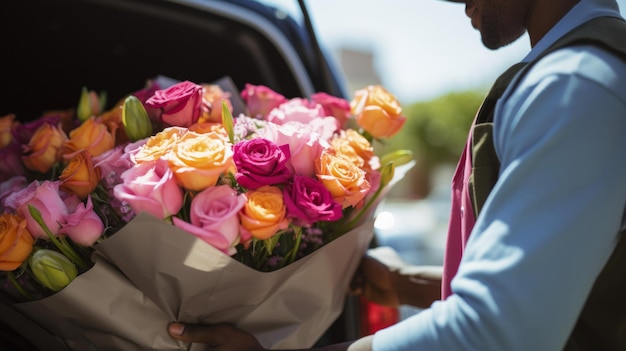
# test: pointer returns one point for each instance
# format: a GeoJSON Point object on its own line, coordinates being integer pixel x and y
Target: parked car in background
{"type": "Point", "coordinates": [58, 47]}
{"type": "Point", "coordinates": [52, 49]}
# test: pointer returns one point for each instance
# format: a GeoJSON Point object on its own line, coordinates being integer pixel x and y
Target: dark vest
{"type": "Point", "coordinates": [602, 322]}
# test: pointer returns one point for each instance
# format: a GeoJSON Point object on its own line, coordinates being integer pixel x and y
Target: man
{"type": "Point", "coordinates": [523, 264]}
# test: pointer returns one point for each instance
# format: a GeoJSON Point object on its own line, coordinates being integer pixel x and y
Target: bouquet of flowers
{"type": "Point", "coordinates": [167, 207]}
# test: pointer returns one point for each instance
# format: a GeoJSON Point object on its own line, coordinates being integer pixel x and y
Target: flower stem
{"type": "Point", "coordinates": [60, 243]}
{"type": "Point", "coordinates": [296, 247]}
{"type": "Point", "coordinates": [18, 286]}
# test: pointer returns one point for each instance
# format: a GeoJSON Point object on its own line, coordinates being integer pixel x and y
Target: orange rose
{"type": "Point", "coordinates": [6, 125]}
{"type": "Point", "coordinates": [80, 176]}
{"type": "Point", "coordinates": [113, 120]}
{"type": "Point", "coordinates": [345, 180]}
{"type": "Point", "coordinates": [44, 148]}
{"type": "Point", "coordinates": [92, 135]}
{"type": "Point", "coordinates": [377, 111]}
{"type": "Point", "coordinates": [198, 160]}
{"type": "Point", "coordinates": [159, 144]}
{"type": "Point", "coordinates": [354, 146]}
{"type": "Point", "coordinates": [212, 103]}
{"type": "Point", "coordinates": [16, 243]}
{"type": "Point", "coordinates": [264, 213]}
{"type": "Point", "coordinates": [208, 127]}
{"type": "Point", "coordinates": [66, 118]}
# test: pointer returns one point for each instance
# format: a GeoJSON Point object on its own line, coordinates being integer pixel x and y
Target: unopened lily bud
{"type": "Point", "coordinates": [227, 121]}
{"type": "Point", "coordinates": [397, 157]}
{"type": "Point", "coordinates": [135, 119]}
{"type": "Point", "coordinates": [52, 269]}
{"type": "Point", "coordinates": [89, 104]}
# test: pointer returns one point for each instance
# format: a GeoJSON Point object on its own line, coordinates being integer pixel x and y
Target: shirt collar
{"type": "Point", "coordinates": [582, 12]}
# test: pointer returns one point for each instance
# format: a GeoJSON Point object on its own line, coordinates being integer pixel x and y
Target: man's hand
{"type": "Point", "coordinates": [220, 337]}
{"type": "Point", "coordinates": [385, 279]}
{"type": "Point", "coordinates": [374, 279]}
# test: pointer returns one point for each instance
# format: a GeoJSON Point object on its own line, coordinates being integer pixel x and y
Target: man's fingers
{"type": "Point", "coordinates": [212, 335]}
{"type": "Point", "coordinates": [219, 337]}
{"type": "Point", "coordinates": [356, 284]}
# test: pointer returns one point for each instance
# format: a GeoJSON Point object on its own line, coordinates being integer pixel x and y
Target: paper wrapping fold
{"type": "Point", "coordinates": [151, 273]}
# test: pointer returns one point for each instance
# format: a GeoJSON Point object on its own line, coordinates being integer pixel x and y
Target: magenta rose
{"type": "Point", "coordinates": [308, 201]}
{"type": "Point", "coordinates": [46, 198]}
{"type": "Point", "coordinates": [81, 224]}
{"type": "Point", "coordinates": [22, 133]}
{"type": "Point", "coordinates": [261, 162]}
{"type": "Point", "coordinates": [10, 186]}
{"type": "Point", "coordinates": [12, 165]}
{"type": "Point", "coordinates": [179, 105]}
{"type": "Point", "coordinates": [214, 217]}
{"type": "Point", "coordinates": [305, 146]}
{"type": "Point", "coordinates": [144, 94]}
{"type": "Point", "coordinates": [333, 106]}
{"type": "Point", "coordinates": [150, 187]}
{"type": "Point", "coordinates": [147, 92]}
{"type": "Point", "coordinates": [260, 100]}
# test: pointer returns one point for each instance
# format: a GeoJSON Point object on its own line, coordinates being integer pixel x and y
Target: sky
{"type": "Point", "coordinates": [422, 48]}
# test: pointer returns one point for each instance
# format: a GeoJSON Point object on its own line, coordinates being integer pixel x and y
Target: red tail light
{"type": "Point", "coordinates": [375, 317]}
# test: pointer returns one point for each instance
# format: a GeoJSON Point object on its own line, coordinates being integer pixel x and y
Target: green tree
{"type": "Point", "coordinates": [436, 132]}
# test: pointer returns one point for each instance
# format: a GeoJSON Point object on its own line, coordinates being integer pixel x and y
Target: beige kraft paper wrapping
{"type": "Point", "coordinates": [151, 273]}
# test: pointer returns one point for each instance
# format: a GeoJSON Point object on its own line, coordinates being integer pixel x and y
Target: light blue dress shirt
{"type": "Point", "coordinates": [552, 220]}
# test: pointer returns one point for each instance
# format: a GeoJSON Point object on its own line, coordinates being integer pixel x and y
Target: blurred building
{"type": "Point", "coordinates": [358, 67]}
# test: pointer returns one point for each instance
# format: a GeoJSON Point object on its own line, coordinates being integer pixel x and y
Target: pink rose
{"type": "Point", "coordinates": [334, 106]}
{"type": "Point", "coordinates": [260, 100]}
{"type": "Point", "coordinates": [179, 105]}
{"type": "Point", "coordinates": [308, 201]}
{"type": "Point", "coordinates": [305, 146]}
{"type": "Point", "coordinates": [132, 149]}
{"type": "Point", "coordinates": [299, 110]}
{"type": "Point", "coordinates": [296, 109]}
{"type": "Point", "coordinates": [82, 224]}
{"type": "Point", "coordinates": [214, 217]}
{"type": "Point", "coordinates": [326, 127]}
{"type": "Point", "coordinates": [112, 164]}
{"type": "Point", "coordinates": [46, 198]}
{"type": "Point", "coordinates": [261, 162]}
{"type": "Point", "coordinates": [150, 187]}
